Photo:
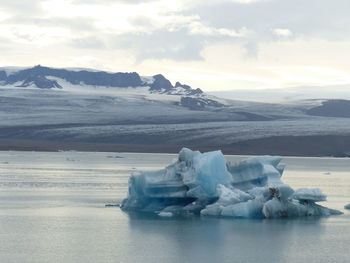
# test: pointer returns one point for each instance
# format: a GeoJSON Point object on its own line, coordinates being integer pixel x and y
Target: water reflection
{"type": "Point", "coordinates": [220, 240]}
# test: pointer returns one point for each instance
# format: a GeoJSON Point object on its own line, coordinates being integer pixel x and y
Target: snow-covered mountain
{"type": "Point", "coordinates": [49, 78]}
{"type": "Point", "coordinates": [117, 91]}
{"type": "Point", "coordinates": [88, 106]}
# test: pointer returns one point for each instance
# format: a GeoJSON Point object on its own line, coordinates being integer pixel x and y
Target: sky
{"type": "Point", "coordinates": [209, 44]}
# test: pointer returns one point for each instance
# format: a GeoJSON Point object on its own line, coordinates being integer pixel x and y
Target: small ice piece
{"type": "Point", "coordinates": [114, 156]}
{"type": "Point", "coordinates": [112, 205]}
{"type": "Point", "coordinates": [174, 210]}
{"type": "Point", "coordinates": [165, 214]}
{"type": "Point", "coordinates": [312, 194]}
{"type": "Point", "coordinates": [347, 206]}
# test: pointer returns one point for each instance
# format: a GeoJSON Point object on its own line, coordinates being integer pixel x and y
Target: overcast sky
{"type": "Point", "coordinates": [208, 44]}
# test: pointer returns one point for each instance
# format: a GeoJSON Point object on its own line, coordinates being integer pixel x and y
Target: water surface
{"type": "Point", "coordinates": [52, 209]}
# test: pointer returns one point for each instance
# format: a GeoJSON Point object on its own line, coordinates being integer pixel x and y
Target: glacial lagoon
{"type": "Point", "coordinates": [52, 209]}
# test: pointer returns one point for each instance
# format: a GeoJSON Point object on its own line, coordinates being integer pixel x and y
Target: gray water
{"type": "Point", "coordinates": [52, 209]}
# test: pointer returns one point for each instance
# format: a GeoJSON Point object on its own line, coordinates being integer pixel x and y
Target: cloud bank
{"type": "Point", "coordinates": [250, 43]}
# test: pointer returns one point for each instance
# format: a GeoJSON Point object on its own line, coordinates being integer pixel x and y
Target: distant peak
{"type": "Point", "coordinates": [40, 76]}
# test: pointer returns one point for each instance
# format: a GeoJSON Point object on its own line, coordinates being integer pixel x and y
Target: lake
{"type": "Point", "coordinates": [52, 209]}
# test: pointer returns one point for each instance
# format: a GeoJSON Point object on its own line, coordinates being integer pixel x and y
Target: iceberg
{"type": "Point", "coordinates": [206, 184]}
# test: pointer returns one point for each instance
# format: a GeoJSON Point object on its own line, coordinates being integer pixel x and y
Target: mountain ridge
{"type": "Point", "coordinates": [39, 76]}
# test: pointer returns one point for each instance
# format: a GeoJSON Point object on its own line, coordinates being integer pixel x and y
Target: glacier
{"type": "Point", "coordinates": [206, 184]}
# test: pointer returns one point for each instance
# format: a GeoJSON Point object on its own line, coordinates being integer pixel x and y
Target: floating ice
{"type": "Point", "coordinates": [314, 195]}
{"type": "Point", "coordinates": [205, 184]}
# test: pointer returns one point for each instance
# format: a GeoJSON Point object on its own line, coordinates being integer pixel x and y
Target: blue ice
{"type": "Point", "coordinates": [206, 184]}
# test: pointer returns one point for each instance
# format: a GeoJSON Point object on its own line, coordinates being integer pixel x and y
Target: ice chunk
{"type": "Point", "coordinates": [207, 172]}
{"type": "Point", "coordinates": [227, 196]}
{"type": "Point", "coordinates": [186, 155]}
{"type": "Point", "coordinates": [292, 208]}
{"type": "Point", "coordinates": [165, 214]}
{"type": "Point", "coordinates": [314, 195]}
{"type": "Point", "coordinates": [212, 210]}
{"type": "Point", "coordinates": [260, 191]}
{"type": "Point", "coordinates": [153, 191]}
{"type": "Point", "coordinates": [249, 209]}
{"type": "Point", "coordinates": [282, 192]}
{"type": "Point", "coordinates": [256, 172]}
{"type": "Point", "coordinates": [194, 176]}
{"type": "Point", "coordinates": [205, 184]}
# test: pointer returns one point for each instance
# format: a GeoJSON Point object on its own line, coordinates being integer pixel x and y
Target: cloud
{"type": "Point", "coordinates": [174, 36]}
{"type": "Point", "coordinates": [198, 28]}
{"type": "Point", "coordinates": [162, 44]}
{"type": "Point", "coordinates": [312, 17]}
{"type": "Point", "coordinates": [110, 1]}
{"type": "Point", "coordinates": [251, 48]}
{"type": "Point", "coordinates": [91, 42]}
{"type": "Point", "coordinates": [282, 32]}
{"type": "Point", "coordinates": [21, 7]}
{"type": "Point", "coordinates": [320, 19]}
{"type": "Point", "coordinates": [224, 35]}
{"type": "Point", "coordinates": [250, 22]}
{"type": "Point", "coordinates": [79, 24]}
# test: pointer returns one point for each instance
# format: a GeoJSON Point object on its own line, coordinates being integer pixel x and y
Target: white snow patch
{"type": "Point", "coordinates": [147, 79]}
